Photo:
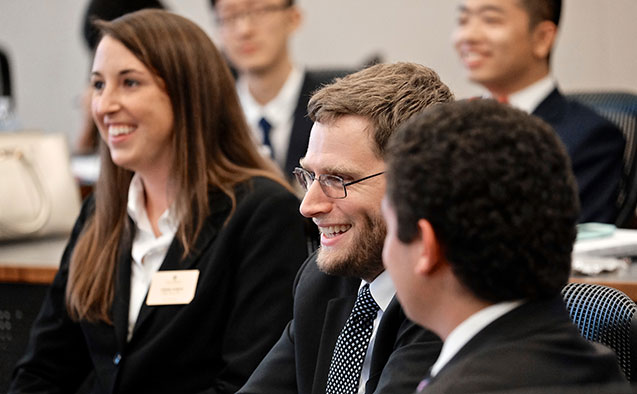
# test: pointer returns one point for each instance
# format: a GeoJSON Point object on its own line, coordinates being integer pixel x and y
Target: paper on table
{"type": "Point", "coordinates": [621, 243]}
{"type": "Point", "coordinates": [592, 256]}
{"type": "Point", "coordinates": [592, 265]}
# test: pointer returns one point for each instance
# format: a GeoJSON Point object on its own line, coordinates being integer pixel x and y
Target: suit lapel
{"type": "Point", "coordinates": [386, 337]}
{"type": "Point", "coordinates": [300, 127]}
{"type": "Point", "coordinates": [121, 299]}
{"type": "Point", "coordinates": [336, 314]}
{"type": "Point", "coordinates": [551, 109]}
{"type": "Point", "coordinates": [220, 208]}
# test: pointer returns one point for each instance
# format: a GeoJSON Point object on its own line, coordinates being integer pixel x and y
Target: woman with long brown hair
{"type": "Point", "coordinates": [177, 275]}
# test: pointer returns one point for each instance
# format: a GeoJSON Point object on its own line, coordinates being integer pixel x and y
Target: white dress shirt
{"type": "Point", "coordinates": [531, 96]}
{"type": "Point", "coordinates": [382, 289]}
{"type": "Point", "coordinates": [148, 252]}
{"type": "Point", "coordinates": [468, 329]}
{"type": "Point", "coordinates": [279, 112]}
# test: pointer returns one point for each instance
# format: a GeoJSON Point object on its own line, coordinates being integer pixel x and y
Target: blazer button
{"type": "Point", "coordinates": [117, 358]}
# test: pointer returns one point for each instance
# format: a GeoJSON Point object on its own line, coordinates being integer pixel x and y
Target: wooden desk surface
{"type": "Point", "coordinates": [32, 261]}
{"type": "Point", "coordinates": [37, 261]}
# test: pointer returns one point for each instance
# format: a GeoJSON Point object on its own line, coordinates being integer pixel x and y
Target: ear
{"type": "Point", "coordinates": [544, 35]}
{"type": "Point", "coordinates": [430, 252]}
{"type": "Point", "coordinates": [295, 17]}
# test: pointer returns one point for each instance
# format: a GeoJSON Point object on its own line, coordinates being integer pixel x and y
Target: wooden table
{"type": "Point", "coordinates": [37, 262]}
{"type": "Point", "coordinates": [33, 261]}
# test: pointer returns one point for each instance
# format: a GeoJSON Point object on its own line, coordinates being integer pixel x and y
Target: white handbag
{"type": "Point", "coordinates": [38, 194]}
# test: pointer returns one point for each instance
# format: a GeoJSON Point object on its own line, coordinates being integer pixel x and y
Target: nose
{"type": "Point", "coordinates": [105, 102]}
{"type": "Point", "coordinates": [244, 24]}
{"type": "Point", "coordinates": [315, 202]}
{"type": "Point", "coordinates": [466, 32]}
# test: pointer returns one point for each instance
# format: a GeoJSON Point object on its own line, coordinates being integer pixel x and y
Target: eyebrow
{"type": "Point", "coordinates": [463, 9]}
{"type": "Point", "coordinates": [341, 170]}
{"type": "Point", "coordinates": [123, 72]}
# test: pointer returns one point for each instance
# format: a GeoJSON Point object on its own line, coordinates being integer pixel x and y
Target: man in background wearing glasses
{"type": "Point", "coordinates": [339, 342]}
{"type": "Point", "coordinates": [273, 91]}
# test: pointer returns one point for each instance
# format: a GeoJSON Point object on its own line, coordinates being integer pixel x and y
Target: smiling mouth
{"type": "Point", "coordinates": [472, 57]}
{"type": "Point", "coordinates": [333, 231]}
{"type": "Point", "coordinates": [120, 130]}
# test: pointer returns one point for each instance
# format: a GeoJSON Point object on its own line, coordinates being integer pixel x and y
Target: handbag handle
{"type": "Point", "coordinates": [42, 216]}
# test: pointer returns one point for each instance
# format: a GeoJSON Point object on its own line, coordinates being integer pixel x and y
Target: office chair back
{"type": "Point", "coordinates": [621, 109]}
{"type": "Point", "coordinates": [607, 316]}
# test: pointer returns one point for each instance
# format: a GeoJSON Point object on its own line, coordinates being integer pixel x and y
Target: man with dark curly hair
{"type": "Point", "coordinates": [481, 207]}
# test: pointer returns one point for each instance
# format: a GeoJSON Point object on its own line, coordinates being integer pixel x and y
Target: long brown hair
{"type": "Point", "coordinates": [212, 148]}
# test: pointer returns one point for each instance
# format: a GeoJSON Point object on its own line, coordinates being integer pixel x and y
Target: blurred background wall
{"type": "Point", "coordinates": [596, 48]}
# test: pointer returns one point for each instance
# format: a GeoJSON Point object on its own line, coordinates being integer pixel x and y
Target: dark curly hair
{"type": "Point", "coordinates": [496, 185]}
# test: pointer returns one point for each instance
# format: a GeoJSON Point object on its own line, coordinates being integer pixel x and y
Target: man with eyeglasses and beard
{"type": "Point", "coordinates": [348, 333]}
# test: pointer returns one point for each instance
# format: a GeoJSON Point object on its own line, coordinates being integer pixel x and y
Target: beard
{"type": "Point", "coordinates": [362, 258]}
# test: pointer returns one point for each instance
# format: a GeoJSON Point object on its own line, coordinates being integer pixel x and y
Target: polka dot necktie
{"type": "Point", "coordinates": [351, 346]}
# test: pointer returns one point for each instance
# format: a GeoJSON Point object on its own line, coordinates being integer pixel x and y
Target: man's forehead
{"type": "Point", "coordinates": [222, 4]}
{"type": "Point", "coordinates": [342, 145]}
{"type": "Point", "coordinates": [480, 6]}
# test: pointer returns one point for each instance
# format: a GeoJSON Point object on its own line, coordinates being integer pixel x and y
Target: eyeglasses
{"type": "Point", "coordinates": [230, 20]}
{"type": "Point", "coordinates": [333, 186]}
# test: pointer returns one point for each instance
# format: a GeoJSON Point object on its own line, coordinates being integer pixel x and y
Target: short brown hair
{"type": "Point", "coordinates": [385, 94]}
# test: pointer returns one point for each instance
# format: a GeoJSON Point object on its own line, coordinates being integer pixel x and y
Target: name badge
{"type": "Point", "coordinates": [172, 287]}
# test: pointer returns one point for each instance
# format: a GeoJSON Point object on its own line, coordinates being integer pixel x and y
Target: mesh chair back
{"type": "Point", "coordinates": [621, 109]}
{"type": "Point", "coordinates": [607, 316]}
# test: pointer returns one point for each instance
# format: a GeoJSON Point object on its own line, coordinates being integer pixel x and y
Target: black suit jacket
{"type": "Point", "coordinates": [596, 149]}
{"type": "Point", "coordinates": [533, 348]}
{"type": "Point", "coordinates": [312, 81]}
{"type": "Point", "coordinates": [300, 361]}
{"type": "Point", "coordinates": [247, 267]}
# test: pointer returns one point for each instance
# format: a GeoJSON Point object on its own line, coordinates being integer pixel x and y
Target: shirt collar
{"type": "Point", "coordinates": [167, 222]}
{"type": "Point", "coordinates": [278, 110]}
{"type": "Point", "coordinates": [468, 329]}
{"type": "Point", "coordinates": [530, 97]}
{"type": "Point", "coordinates": [382, 289]}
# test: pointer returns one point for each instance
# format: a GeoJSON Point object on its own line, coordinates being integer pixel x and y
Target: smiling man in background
{"type": "Point", "coordinates": [505, 46]}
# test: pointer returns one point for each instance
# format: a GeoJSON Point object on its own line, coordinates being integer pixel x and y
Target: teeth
{"type": "Point", "coordinates": [118, 130]}
{"type": "Point", "coordinates": [333, 230]}
{"type": "Point", "coordinates": [471, 56]}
